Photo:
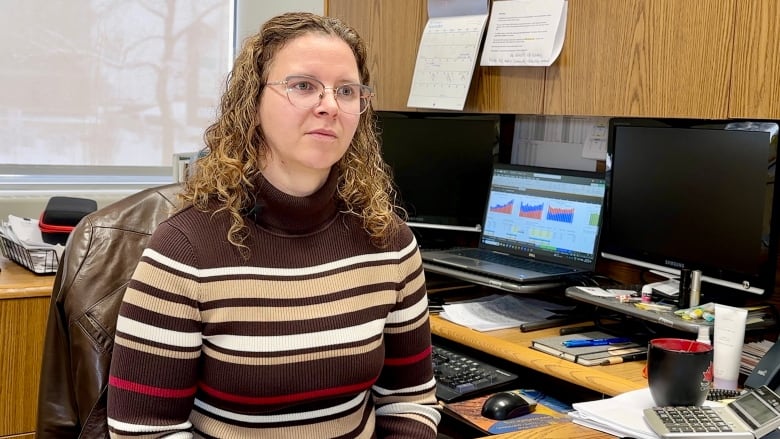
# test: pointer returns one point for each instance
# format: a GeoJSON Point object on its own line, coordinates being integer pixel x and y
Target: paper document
{"type": "Point", "coordinates": [24, 236]}
{"type": "Point", "coordinates": [595, 146]}
{"type": "Point", "coordinates": [448, 53]}
{"type": "Point", "coordinates": [26, 229]}
{"type": "Point", "coordinates": [525, 33]}
{"type": "Point", "coordinates": [500, 312]}
{"type": "Point", "coordinates": [621, 415]}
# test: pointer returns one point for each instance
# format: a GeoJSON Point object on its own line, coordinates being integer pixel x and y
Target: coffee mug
{"type": "Point", "coordinates": [679, 371]}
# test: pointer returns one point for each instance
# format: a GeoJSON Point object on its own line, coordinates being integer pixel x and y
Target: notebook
{"type": "Point", "coordinates": [600, 355]}
{"type": "Point", "coordinates": [540, 224]}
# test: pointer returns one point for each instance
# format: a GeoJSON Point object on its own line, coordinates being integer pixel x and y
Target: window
{"type": "Point", "coordinates": [108, 84]}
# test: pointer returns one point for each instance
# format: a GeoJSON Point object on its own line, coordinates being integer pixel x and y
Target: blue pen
{"type": "Point", "coordinates": [595, 342]}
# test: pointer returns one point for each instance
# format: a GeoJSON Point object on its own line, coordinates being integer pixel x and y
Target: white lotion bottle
{"type": "Point", "coordinates": [704, 335]}
{"type": "Point", "coordinates": [727, 341]}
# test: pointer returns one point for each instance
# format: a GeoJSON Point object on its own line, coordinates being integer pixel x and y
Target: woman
{"type": "Point", "coordinates": [287, 300]}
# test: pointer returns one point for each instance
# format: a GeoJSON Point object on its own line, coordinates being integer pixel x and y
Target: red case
{"type": "Point", "coordinates": [61, 216]}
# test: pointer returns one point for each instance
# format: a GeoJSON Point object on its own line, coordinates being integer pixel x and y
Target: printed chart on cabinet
{"type": "Point", "coordinates": [447, 53]}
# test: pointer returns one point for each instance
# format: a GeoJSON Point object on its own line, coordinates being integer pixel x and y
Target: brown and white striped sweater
{"type": "Point", "coordinates": [318, 335]}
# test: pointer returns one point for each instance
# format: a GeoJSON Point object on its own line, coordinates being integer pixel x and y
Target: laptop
{"type": "Point", "coordinates": [540, 224]}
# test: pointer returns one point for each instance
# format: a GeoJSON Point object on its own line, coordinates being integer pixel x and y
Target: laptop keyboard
{"type": "Point", "coordinates": [511, 261]}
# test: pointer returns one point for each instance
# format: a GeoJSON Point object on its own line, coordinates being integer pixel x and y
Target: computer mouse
{"type": "Point", "coordinates": [507, 405]}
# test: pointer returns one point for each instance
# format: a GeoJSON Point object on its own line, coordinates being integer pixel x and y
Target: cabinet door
{"type": "Point", "coordinates": [514, 90]}
{"type": "Point", "coordinates": [22, 330]}
{"type": "Point", "coordinates": [392, 30]}
{"type": "Point", "coordinates": [644, 58]}
{"type": "Point", "coordinates": [755, 88]}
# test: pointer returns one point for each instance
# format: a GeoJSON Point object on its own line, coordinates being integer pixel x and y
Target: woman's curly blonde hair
{"type": "Point", "coordinates": [237, 148]}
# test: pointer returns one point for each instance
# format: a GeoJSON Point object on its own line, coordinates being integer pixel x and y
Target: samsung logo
{"type": "Point", "coordinates": [674, 264]}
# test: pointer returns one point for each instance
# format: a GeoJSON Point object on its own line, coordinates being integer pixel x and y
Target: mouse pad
{"type": "Point", "coordinates": [548, 411]}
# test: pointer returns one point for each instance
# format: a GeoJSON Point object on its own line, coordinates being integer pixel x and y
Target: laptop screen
{"type": "Point", "coordinates": [547, 214]}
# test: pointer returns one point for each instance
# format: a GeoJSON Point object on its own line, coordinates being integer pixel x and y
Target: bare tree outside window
{"type": "Point", "coordinates": [109, 82]}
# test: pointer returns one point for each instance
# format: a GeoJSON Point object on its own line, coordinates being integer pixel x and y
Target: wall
{"type": "Point", "coordinates": [250, 14]}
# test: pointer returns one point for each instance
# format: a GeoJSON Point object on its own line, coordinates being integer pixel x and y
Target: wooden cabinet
{"type": "Point", "coordinates": [652, 58]}
{"type": "Point", "coordinates": [666, 58]}
{"type": "Point", "coordinates": [755, 85]}
{"type": "Point", "coordinates": [392, 30]}
{"type": "Point", "coordinates": [24, 309]}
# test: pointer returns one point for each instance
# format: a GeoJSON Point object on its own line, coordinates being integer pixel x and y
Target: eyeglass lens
{"type": "Point", "coordinates": [305, 92]}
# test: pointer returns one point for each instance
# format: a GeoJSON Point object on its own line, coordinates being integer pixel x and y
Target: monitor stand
{"type": "Point", "coordinates": [665, 318]}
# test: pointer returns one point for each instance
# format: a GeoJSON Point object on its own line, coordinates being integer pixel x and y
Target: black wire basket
{"type": "Point", "coordinates": [39, 261]}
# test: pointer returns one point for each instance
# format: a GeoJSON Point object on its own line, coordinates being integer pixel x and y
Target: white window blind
{"type": "Point", "coordinates": [96, 84]}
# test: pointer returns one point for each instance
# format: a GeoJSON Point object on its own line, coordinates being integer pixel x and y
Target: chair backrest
{"type": "Point", "coordinates": [98, 261]}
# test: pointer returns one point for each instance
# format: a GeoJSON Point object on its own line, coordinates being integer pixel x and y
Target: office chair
{"type": "Point", "coordinates": [99, 259]}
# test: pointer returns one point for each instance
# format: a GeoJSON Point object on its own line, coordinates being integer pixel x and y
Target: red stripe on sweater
{"type": "Point", "coordinates": [281, 399]}
{"type": "Point", "coordinates": [408, 360]}
{"type": "Point", "coordinates": [150, 390]}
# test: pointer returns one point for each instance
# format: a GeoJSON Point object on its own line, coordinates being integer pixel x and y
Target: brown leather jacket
{"type": "Point", "coordinates": [99, 259]}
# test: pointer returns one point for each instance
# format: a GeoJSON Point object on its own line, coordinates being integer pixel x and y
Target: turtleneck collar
{"type": "Point", "coordinates": [282, 212]}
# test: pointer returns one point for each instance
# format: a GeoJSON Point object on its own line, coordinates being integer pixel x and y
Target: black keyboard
{"type": "Point", "coordinates": [512, 261]}
{"type": "Point", "coordinates": [459, 376]}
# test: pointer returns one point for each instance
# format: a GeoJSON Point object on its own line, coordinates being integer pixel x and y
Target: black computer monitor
{"type": "Point", "coordinates": [695, 194]}
{"type": "Point", "coordinates": [441, 165]}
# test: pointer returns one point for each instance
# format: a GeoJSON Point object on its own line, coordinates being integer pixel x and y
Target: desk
{"type": "Point", "coordinates": [24, 309]}
{"type": "Point", "coordinates": [514, 346]}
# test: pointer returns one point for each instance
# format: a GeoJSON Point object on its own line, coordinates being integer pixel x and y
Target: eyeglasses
{"type": "Point", "coordinates": [307, 92]}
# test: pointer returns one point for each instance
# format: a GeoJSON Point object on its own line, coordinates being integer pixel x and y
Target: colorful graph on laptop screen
{"type": "Point", "coordinates": [531, 212]}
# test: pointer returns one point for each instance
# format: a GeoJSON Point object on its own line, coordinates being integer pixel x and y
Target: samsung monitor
{"type": "Point", "coordinates": [441, 166]}
{"type": "Point", "coordinates": [694, 194]}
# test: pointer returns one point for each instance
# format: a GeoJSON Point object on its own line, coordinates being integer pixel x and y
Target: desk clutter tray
{"type": "Point", "coordinates": [39, 261]}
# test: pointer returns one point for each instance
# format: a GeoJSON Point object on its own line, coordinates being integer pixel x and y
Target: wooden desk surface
{"type": "Point", "coordinates": [514, 345]}
{"type": "Point", "coordinates": [19, 282]}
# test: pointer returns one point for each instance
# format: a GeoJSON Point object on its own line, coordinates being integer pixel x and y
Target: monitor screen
{"type": "Point", "coordinates": [543, 213]}
{"type": "Point", "coordinates": [696, 195]}
{"type": "Point", "coordinates": [441, 165]}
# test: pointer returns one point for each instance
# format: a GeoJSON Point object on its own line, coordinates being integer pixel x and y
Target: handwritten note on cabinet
{"type": "Point", "coordinates": [525, 33]}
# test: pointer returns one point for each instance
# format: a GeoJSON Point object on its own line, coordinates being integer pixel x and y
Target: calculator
{"type": "Point", "coordinates": [752, 415]}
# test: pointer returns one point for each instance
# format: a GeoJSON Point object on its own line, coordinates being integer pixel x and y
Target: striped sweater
{"type": "Point", "coordinates": [318, 335]}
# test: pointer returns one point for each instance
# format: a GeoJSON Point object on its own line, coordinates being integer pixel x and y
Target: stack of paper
{"type": "Point", "coordinates": [500, 311]}
{"type": "Point", "coordinates": [621, 415]}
